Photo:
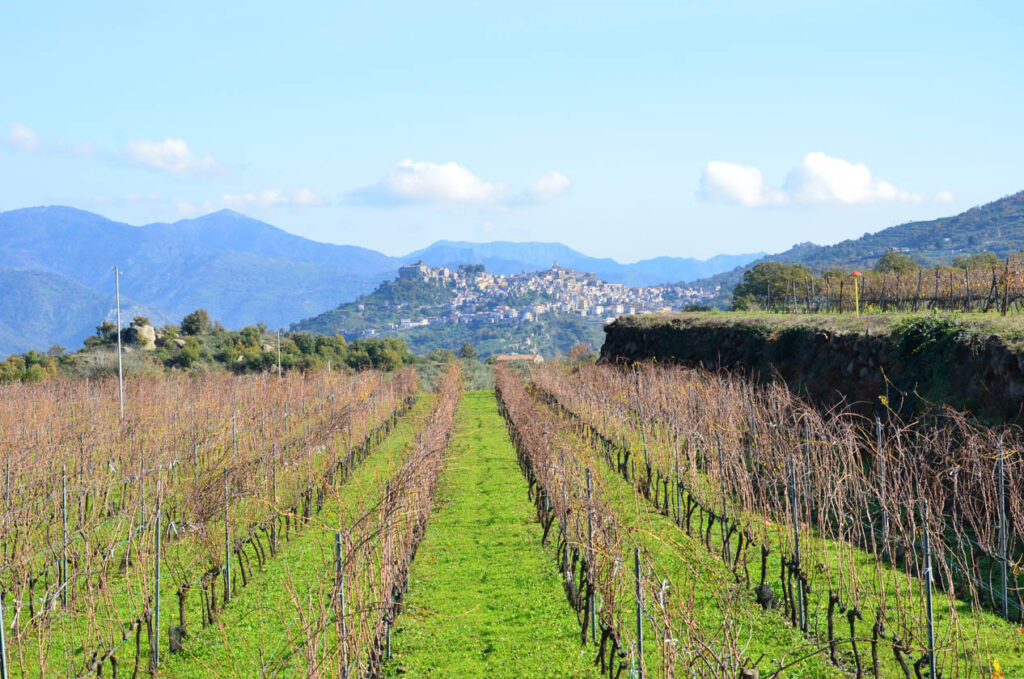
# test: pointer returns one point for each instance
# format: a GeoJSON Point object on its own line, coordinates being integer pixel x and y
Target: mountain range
{"type": "Point", "coordinates": [503, 257]}
{"type": "Point", "coordinates": [57, 283]}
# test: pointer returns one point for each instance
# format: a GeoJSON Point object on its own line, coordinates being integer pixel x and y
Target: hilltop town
{"type": "Point", "coordinates": [430, 306]}
{"type": "Point", "coordinates": [482, 296]}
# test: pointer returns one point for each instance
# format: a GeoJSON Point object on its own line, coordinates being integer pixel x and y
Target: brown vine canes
{"type": "Point", "coordinates": [825, 510]}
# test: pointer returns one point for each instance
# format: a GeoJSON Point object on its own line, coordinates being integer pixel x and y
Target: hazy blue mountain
{"type": "Point", "coordinates": [240, 269]}
{"type": "Point", "coordinates": [39, 309]}
{"type": "Point", "coordinates": [58, 283]}
{"type": "Point", "coordinates": [506, 258]}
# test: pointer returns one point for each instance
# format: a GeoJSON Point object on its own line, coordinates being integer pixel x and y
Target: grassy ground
{"type": "Point", "coordinates": [261, 633]}
{"type": "Point", "coordinates": [486, 598]}
{"type": "Point", "coordinates": [1010, 328]}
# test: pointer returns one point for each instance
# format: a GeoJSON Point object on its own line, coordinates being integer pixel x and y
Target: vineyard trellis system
{"type": "Point", "coordinates": [209, 473]}
{"type": "Point", "coordinates": [351, 628]}
{"type": "Point", "coordinates": [981, 289]}
{"type": "Point", "coordinates": [637, 611]}
{"type": "Point", "coordinates": [838, 505]}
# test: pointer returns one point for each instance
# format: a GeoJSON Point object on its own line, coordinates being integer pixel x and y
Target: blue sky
{"type": "Point", "coordinates": [631, 130]}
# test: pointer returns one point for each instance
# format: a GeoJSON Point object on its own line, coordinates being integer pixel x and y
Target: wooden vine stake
{"type": "Point", "coordinates": [880, 447]}
{"type": "Point", "coordinates": [1002, 528]}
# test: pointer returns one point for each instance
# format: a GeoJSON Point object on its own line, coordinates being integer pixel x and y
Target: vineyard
{"type": "Point", "coordinates": [662, 522]}
{"type": "Point", "coordinates": [123, 538]}
{"type": "Point", "coordinates": [985, 287]}
{"type": "Point", "coordinates": [887, 547]}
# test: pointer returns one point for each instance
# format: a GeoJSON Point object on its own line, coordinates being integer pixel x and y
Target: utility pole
{"type": "Point", "coordinates": [279, 373]}
{"type": "Point", "coordinates": [120, 367]}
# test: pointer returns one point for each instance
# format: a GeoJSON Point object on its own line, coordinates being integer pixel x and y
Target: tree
{"type": "Point", "coordinates": [441, 355]}
{"type": "Point", "coordinates": [581, 352]}
{"type": "Point", "coordinates": [771, 284]}
{"type": "Point", "coordinates": [196, 323]}
{"type": "Point", "coordinates": [249, 336]}
{"type": "Point", "coordinates": [982, 260]}
{"type": "Point", "coordinates": [895, 262]}
{"type": "Point", "coordinates": [187, 356]}
{"type": "Point", "coordinates": [467, 352]}
{"type": "Point", "coordinates": [106, 331]}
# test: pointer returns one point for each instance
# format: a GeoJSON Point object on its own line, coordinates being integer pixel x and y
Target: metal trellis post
{"type": "Point", "coordinates": [928, 594]}
{"type": "Point", "coordinates": [639, 616]}
{"type": "Point", "coordinates": [64, 522]}
{"type": "Point", "coordinates": [340, 574]}
{"type": "Point", "coordinates": [156, 578]}
{"type": "Point", "coordinates": [590, 559]}
{"type": "Point", "coordinates": [227, 543]}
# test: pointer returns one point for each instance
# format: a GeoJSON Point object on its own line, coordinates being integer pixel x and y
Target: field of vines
{"type": "Point", "coordinates": [883, 548]}
{"type": "Point", "coordinates": [123, 538]}
{"type": "Point", "coordinates": [993, 288]}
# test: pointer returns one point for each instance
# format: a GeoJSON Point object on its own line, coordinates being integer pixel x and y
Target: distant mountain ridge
{"type": "Point", "coordinates": [56, 265]}
{"type": "Point", "coordinates": [993, 227]}
{"type": "Point", "coordinates": [240, 269]}
{"type": "Point", "coordinates": [505, 257]}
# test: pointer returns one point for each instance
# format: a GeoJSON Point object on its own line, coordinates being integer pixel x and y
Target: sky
{"type": "Point", "coordinates": [629, 130]}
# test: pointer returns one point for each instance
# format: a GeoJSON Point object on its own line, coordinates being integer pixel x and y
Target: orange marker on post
{"type": "Point", "coordinates": [856, 291]}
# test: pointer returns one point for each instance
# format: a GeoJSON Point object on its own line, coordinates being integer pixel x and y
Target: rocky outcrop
{"type": "Point", "coordinates": [142, 336]}
{"type": "Point", "coordinates": [909, 364]}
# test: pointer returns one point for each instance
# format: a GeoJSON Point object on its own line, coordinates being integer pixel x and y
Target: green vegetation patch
{"type": "Point", "coordinates": [486, 599]}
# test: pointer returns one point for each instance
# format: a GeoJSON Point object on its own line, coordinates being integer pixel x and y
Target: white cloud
{"type": "Point", "coordinates": [305, 197]}
{"type": "Point", "coordinates": [818, 178]}
{"type": "Point", "coordinates": [822, 179]}
{"type": "Point", "coordinates": [169, 155]}
{"type": "Point", "coordinates": [423, 182]}
{"type": "Point", "coordinates": [21, 136]}
{"type": "Point", "coordinates": [731, 183]}
{"type": "Point", "coordinates": [270, 198]}
{"type": "Point", "coordinates": [944, 197]}
{"type": "Point", "coordinates": [551, 185]}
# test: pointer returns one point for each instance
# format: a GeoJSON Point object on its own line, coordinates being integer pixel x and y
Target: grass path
{"type": "Point", "coordinates": [485, 599]}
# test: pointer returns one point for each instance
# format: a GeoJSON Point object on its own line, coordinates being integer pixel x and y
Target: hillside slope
{"type": "Point", "coordinates": [40, 305]}
{"type": "Point", "coordinates": [241, 270]}
{"type": "Point", "coordinates": [994, 227]}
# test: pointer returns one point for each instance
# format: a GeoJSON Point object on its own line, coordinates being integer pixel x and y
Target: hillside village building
{"type": "Point", "coordinates": [482, 297]}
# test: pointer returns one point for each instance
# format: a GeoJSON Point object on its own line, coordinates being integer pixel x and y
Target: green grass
{"type": "Point", "coordinates": [1010, 328]}
{"type": "Point", "coordinates": [486, 599]}
{"type": "Point", "coordinates": [261, 632]}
